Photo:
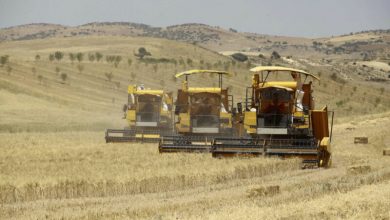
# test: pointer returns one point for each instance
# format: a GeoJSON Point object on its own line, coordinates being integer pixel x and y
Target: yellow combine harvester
{"type": "Point", "coordinates": [202, 114]}
{"type": "Point", "coordinates": [280, 120]}
{"type": "Point", "coordinates": [149, 115]}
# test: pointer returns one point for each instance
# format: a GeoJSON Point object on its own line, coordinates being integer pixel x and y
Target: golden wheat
{"type": "Point", "coordinates": [54, 163]}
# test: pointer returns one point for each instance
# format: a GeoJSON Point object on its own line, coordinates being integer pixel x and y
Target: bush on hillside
{"type": "Point", "coordinates": [275, 55]}
{"type": "Point", "coordinates": [79, 57]}
{"type": "Point", "coordinates": [58, 55]}
{"type": "Point", "coordinates": [91, 57]}
{"type": "Point", "coordinates": [158, 60]}
{"type": "Point", "coordinates": [142, 52]}
{"type": "Point", "coordinates": [109, 76]}
{"type": "Point", "coordinates": [98, 56]}
{"type": "Point", "coordinates": [72, 57]}
{"type": "Point", "coordinates": [64, 76]}
{"type": "Point", "coordinates": [240, 57]}
{"type": "Point", "coordinates": [51, 57]}
{"type": "Point", "coordinates": [4, 59]}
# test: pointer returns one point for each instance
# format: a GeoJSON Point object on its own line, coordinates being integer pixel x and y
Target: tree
{"type": "Point", "coordinates": [117, 60]}
{"type": "Point", "coordinates": [98, 56]}
{"type": "Point", "coordinates": [181, 62]}
{"type": "Point", "coordinates": [3, 60]}
{"type": "Point", "coordinates": [58, 55]}
{"type": "Point", "coordinates": [275, 55]}
{"type": "Point", "coordinates": [174, 62]}
{"type": "Point", "coordinates": [51, 57]}
{"type": "Point", "coordinates": [9, 70]}
{"type": "Point", "coordinates": [240, 57]}
{"type": "Point", "coordinates": [72, 57]}
{"type": "Point", "coordinates": [226, 66]}
{"type": "Point", "coordinates": [109, 58]}
{"type": "Point", "coordinates": [129, 61]}
{"type": "Point", "coordinates": [377, 101]}
{"type": "Point", "coordinates": [40, 78]}
{"type": "Point", "coordinates": [189, 62]}
{"type": "Point", "coordinates": [79, 57]}
{"type": "Point", "coordinates": [37, 57]}
{"type": "Point", "coordinates": [58, 70]}
{"type": "Point", "coordinates": [80, 68]}
{"type": "Point", "coordinates": [64, 77]}
{"type": "Point", "coordinates": [233, 30]}
{"type": "Point", "coordinates": [142, 52]}
{"type": "Point", "coordinates": [248, 64]}
{"type": "Point", "coordinates": [91, 57]}
{"type": "Point", "coordinates": [109, 76]}
{"type": "Point", "coordinates": [382, 90]}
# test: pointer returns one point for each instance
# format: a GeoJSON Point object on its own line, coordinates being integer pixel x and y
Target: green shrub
{"type": "Point", "coordinates": [58, 55]}
{"type": "Point", "coordinates": [340, 103]}
{"type": "Point", "coordinates": [64, 76]}
{"type": "Point", "coordinates": [275, 55]}
{"type": "Point", "coordinates": [4, 60]}
{"type": "Point", "coordinates": [152, 60]}
{"type": "Point", "coordinates": [240, 57]}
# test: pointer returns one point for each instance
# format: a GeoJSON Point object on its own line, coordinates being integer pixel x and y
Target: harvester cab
{"type": "Point", "coordinates": [202, 114]}
{"type": "Point", "coordinates": [148, 114]}
{"type": "Point", "coordinates": [280, 120]}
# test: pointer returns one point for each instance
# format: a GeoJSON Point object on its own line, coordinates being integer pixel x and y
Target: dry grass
{"type": "Point", "coordinates": [74, 175]}
{"type": "Point", "coordinates": [54, 163]}
{"type": "Point", "coordinates": [84, 166]}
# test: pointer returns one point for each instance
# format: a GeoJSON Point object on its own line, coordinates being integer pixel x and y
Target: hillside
{"type": "Point", "coordinates": [375, 42]}
{"type": "Point", "coordinates": [31, 83]}
{"type": "Point", "coordinates": [191, 33]}
{"type": "Point", "coordinates": [35, 96]}
{"type": "Point", "coordinates": [58, 95]}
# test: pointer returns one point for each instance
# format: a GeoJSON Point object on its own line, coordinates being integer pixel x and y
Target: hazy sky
{"type": "Point", "coordinates": [311, 18]}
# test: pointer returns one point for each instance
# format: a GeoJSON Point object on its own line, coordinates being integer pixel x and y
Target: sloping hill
{"type": "Point", "coordinates": [215, 38]}
{"type": "Point", "coordinates": [32, 85]}
{"type": "Point", "coordinates": [368, 45]}
{"type": "Point", "coordinates": [39, 94]}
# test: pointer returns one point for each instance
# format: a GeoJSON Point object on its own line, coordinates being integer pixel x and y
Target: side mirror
{"type": "Point", "coordinates": [177, 110]}
{"type": "Point", "coordinates": [234, 111]}
{"type": "Point", "coordinates": [239, 107]}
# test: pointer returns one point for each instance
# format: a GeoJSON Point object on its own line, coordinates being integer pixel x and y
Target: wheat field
{"type": "Point", "coordinates": [75, 175]}
{"type": "Point", "coordinates": [55, 164]}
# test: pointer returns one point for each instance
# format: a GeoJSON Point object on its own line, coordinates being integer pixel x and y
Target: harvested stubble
{"type": "Point", "coordinates": [66, 170]}
{"type": "Point", "coordinates": [355, 170]}
{"type": "Point", "coordinates": [117, 181]}
{"type": "Point", "coordinates": [263, 191]}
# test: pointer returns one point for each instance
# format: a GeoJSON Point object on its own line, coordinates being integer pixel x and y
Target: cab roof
{"type": "Point", "coordinates": [282, 69]}
{"type": "Point", "coordinates": [196, 71]}
{"type": "Point", "coordinates": [149, 92]}
{"type": "Point", "coordinates": [204, 89]}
